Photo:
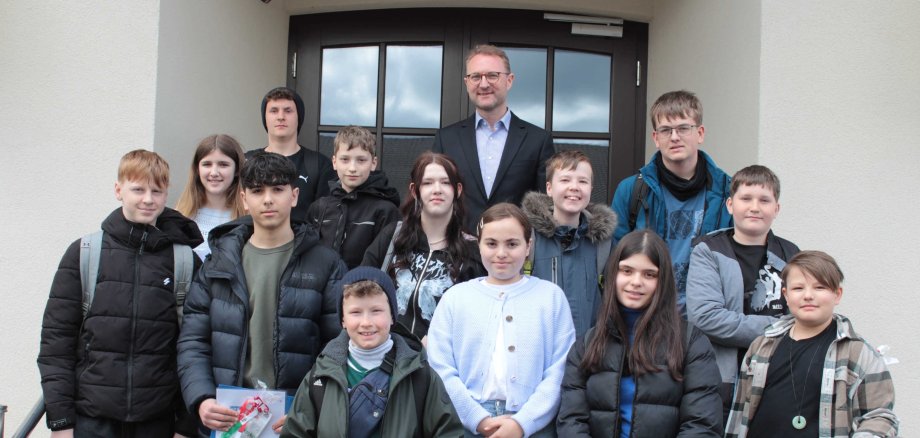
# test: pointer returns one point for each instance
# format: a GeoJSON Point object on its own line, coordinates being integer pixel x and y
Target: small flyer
{"type": "Point", "coordinates": [258, 410]}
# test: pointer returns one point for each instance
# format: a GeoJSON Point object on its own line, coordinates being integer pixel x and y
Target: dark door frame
{"type": "Point", "coordinates": [458, 30]}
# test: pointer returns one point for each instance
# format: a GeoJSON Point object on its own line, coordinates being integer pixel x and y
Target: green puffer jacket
{"type": "Point", "coordinates": [400, 419]}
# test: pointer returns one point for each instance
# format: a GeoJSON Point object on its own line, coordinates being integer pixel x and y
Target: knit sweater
{"type": "Point", "coordinates": [538, 332]}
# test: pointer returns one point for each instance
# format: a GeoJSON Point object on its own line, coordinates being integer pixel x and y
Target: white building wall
{"type": "Point", "coordinates": [216, 61]}
{"type": "Point", "coordinates": [823, 93]}
{"type": "Point", "coordinates": [78, 90]}
{"type": "Point", "coordinates": [713, 49]}
{"type": "Point", "coordinates": [838, 124]}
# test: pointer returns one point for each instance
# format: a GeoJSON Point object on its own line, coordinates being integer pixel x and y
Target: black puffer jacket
{"type": "Point", "coordinates": [662, 407]}
{"type": "Point", "coordinates": [349, 221]}
{"type": "Point", "coordinates": [122, 364]}
{"type": "Point", "coordinates": [215, 329]}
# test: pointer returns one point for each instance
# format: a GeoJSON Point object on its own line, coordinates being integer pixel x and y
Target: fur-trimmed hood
{"type": "Point", "coordinates": [539, 210]}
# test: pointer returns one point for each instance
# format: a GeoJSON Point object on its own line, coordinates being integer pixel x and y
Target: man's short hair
{"type": "Point", "coordinates": [144, 165]}
{"type": "Point", "coordinates": [284, 93]}
{"type": "Point", "coordinates": [266, 169]}
{"type": "Point", "coordinates": [755, 175]}
{"type": "Point", "coordinates": [280, 93]}
{"type": "Point", "coordinates": [566, 160]}
{"type": "Point", "coordinates": [489, 50]}
{"type": "Point", "coordinates": [817, 264]}
{"type": "Point", "coordinates": [677, 104]}
{"type": "Point", "coordinates": [355, 137]}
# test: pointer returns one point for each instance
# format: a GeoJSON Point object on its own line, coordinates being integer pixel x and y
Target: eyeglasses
{"type": "Point", "coordinates": [682, 130]}
{"type": "Point", "coordinates": [491, 77]}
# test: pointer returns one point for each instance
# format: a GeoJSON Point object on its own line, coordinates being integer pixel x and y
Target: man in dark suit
{"type": "Point", "coordinates": [500, 157]}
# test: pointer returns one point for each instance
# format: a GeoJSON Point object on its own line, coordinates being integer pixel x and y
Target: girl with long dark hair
{"type": "Point", "coordinates": [430, 251]}
{"type": "Point", "coordinates": [638, 372]}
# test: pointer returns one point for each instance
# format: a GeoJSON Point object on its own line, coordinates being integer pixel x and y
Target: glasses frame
{"type": "Point", "coordinates": [670, 130]}
{"type": "Point", "coordinates": [469, 77]}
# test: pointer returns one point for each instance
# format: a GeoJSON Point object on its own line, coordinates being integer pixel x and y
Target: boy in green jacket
{"type": "Point", "coordinates": [368, 382]}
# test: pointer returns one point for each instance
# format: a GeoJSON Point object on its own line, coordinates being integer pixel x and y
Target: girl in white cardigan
{"type": "Point", "coordinates": [500, 342]}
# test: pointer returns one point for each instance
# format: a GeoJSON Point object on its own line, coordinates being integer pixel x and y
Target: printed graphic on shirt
{"type": "Point", "coordinates": [680, 278]}
{"type": "Point", "coordinates": [683, 224]}
{"type": "Point", "coordinates": [767, 296]}
{"type": "Point", "coordinates": [435, 279]}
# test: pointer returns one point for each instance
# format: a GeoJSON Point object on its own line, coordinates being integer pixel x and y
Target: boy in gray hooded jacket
{"type": "Point", "coordinates": [734, 289]}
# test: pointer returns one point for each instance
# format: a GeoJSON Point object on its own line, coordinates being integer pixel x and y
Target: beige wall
{"type": "Point", "coordinates": [838, 124]}
{"type": "Point", "coordinates": [823, 93]}
{"type": "Point", "coordinates": [713, 49]}
{"type": "Point", "coordinates": [216, 61]}
{"type": "Point", "coordinates": [639, 10]}
{"type": "Point", "coordinates": [78, 90]}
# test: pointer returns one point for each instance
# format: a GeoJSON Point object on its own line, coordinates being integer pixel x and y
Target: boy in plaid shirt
{"type": "Point", "coordinates": [787, 389]}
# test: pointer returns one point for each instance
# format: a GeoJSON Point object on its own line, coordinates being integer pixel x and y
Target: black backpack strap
{"type": "Point", "coordinates": [636, 198]}
{"type": "Point", "coordinates": [317, 392]}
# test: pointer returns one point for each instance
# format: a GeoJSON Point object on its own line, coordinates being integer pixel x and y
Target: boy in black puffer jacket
{"type": "Point", "coordinates": [263, 305]}
{"type": "Point", "coordinates": [110, 370]}
{"type": "Point", "coordinates": [361, 203]}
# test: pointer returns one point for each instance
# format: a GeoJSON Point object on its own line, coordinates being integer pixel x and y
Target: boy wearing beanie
{"type": "Point", "coordinates": [368, 382]}
{"type": "Point", "coordinates": [282, 118]}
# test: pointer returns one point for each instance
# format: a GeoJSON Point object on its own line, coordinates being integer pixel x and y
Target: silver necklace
{"type": "Point", "coordinates": [798, 421]}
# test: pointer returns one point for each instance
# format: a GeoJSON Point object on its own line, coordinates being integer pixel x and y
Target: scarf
{"type": "Point", "coordinates": [680, 188]}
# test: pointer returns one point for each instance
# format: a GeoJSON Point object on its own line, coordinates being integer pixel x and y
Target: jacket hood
{"type": "Point", "coordinates": [376, 185]}
{"type": "Point", "coordinates": [171, 227]}
{"type": "Point", "coordinates": [539, 210]}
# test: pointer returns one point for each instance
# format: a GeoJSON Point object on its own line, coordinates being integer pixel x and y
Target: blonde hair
{"type": "Point", "coordinates": [144, 165]}
{"type": "Point", "coordinates": [361, 289]}
{"type": "Point", "coordinates": [194, 195]}
{"type": "Point", "coordinates": [566, 160]}
{"type": "Point", "coordinates": [355, 137]}
{"type": "Point", "coordinates": [488, 50]}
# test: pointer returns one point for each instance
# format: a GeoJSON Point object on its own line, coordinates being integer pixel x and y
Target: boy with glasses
{"type": "Point", "coordinates": [500, 157]}
{"type": "Point", "coordinates": [680, 193]}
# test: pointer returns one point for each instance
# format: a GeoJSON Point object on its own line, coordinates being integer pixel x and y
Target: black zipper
{"type": "Point", "coordinates": [137, 264]}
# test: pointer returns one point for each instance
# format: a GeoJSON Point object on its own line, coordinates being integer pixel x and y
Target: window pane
{"type": "Point", "coordinates": [413, 87]}
{"type": "Point", "coordinates": [326, 143]}
{"type": "Point", "coordinates": [527, 97]}
{"type": "Point", "coordinates": [581, 92]}
{"type": "Point", "coordinates": [349, 91]}
{"type": "Point", "coordinates": [597, 151]}
{"type": "Point", "coordinates": [399, 152]}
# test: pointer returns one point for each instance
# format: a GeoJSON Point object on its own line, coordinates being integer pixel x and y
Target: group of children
{"type": "Point", "coordinates": [541, 324]}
